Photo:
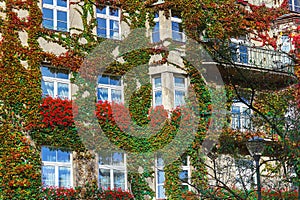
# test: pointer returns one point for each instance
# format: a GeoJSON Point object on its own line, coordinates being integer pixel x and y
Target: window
{"type": "Point", "coordinates": [239, 53]}
{"type": "Point", "coordinates": [56, 14]}
{"type": "Point", "coordinates": [112, 170]}
{"type": "Point", "coordinates": [244, 173]}
{"type": "Point", "coordinates": [184, 175]}
{"type": "Point", "coordinates": [110, 88]}
{"type": "Point", "coordinates": [56, 169]}
{"type": "Point", "coordinates": [155, 31]}
{"type": "Point", "coordinates": [179, 90]}
{"type": "Point", "coordinates": [177, 29]}
{"type": "Point", "coordinates": [108, 22]}
{"type": "Point", "coordinates": [55, 82]}
{"type": "Point", "coordinates": [241, 117]}
{"type": "Point", "coordinates": [160, 179]}
{"type": "Point", "coordinates": [157, 91]}
{"type": "Point", "coordinates": [294, 5]}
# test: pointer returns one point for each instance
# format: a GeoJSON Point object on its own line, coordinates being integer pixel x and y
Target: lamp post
{"type": "Point", "coordinates": [256, 147]}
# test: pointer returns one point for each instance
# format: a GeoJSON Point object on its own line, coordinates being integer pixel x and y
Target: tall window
{"type": "Point", "coordinates": [55, 82]}
{"type": "Point", "coordinates": [160, 179]}
{"type": "Point", "coordinates": [56, 169]}
{"type": "Point", "coordinates": [294, 5]}
{"type": "Point", "coordinates": [108, 22]}
{"type": "Point", "coordinates": [184, 175]}
{"type": "Point", "coordinates": [155, 31]}
{"type": "Point", "coordinates": [241, 117]}
{"type": "Point", "coordinates": [112, 170]}
{"type": "Point", "coordinates": [157, 91]}
{"type": "Point", "coordinates": [110, 88]}
{"type": "Point", "coordinates": [56, 14]}
{"type": "Point", "coordinates": [179, 90]}
{"type": "Point", "coordinates": [177, 29]}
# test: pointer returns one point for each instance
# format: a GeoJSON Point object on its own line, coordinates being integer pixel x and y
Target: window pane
{"type": "Point", "coordinates": [105, 159]}
{"type": "Point", "coordinates": [116, 96]}
{"type": "Point", "coordinates": [101, 11]}
{"type": "Point", "coordinates": [64, 177]}
{"type": "Point", "coordinates": [63, 156]}
{"type": "Point", "coordinates": [48, 155]}
{"type": "Point", "coordinates": [114, 12]}
{"type": "Point", "coordinates": [235, 109]}
{"type": "Point", "coordinates": [114, 29]}
{"type": "Point", "coordinates": [62, 21]}
{"type": "Point", "coordinates": [179, 82]}
{"type": "Point", "coordinates": [183, 176]}
{"type": "Point", "coordinates": [104, 178]}
{"type": "Point", "coordinates": [179, 98]}
{"type": "Point", "coordinates": [62, 3]}
{"type": "Point", "coordinates": [115, 80]}
{"type": "Point", "coordinates": [161, 192]}
{"type": "Point", "coordinates": [119, 179]}
{"type": "Point", "coordinates": [117, 159]}
{"type": "Point", "coordinates": [62, 73]}
{"type": "Point", "coordinates": [101, 27]}
{"type": "Point", "coordinates": [48, 88]}
{"type": "Point", "coordinates": [47, 18]}
{"type": "Point", "coordinates": [158, 98]}
{"type": "Point", "coordinates": [155, 33]}
{"type": "Point", "coordinates": [184, 160]}
{"type": "Point", "coordinates": [160, 162]}
{"type": "Point", "coordinates": [157, 82]}
{"type": "Point", "coordinates": [48, 175]}
{"type": "Point", "coordinates": [102, 94]}
{"type": "Point", "coordinates": [63, 90]}
{"type": "Point", "coordinates": [175, 26]}
{"type": "Point", "coordinates": [160, 177]}
{"type": "Point", "coordinates": [47, 72]}
{"type": "Point", "coordinates": [103, 79]}
{"type": "Point", "coordinates": [48, 2]}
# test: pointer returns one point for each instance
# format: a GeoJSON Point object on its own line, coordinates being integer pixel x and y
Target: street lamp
{"type": "Point", "coordinates": [256, 147]}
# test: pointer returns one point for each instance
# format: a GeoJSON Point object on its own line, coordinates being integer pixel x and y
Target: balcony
{"type": "Point", "coordinates": [250, 66]}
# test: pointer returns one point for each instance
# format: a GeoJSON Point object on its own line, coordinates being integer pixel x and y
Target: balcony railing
{"type": "Point", "coordinates": [241, 121]}
{"type": "Point", "coordinates": [261, 58]}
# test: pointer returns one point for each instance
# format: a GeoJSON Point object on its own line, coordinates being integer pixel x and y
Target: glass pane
{"type": "Point", "coordinates": [48, 155]}
{"type": "Point", "coordinates": [48, 175]}
{"type": "Point", "coordinates": [48, 24]}
{"type": "Point", "coordinates": [105, 159]}
{"type": "Point", "coordinates": [179, 98]}
{"type": "Point", "coordinates": [63, 90]}
{"type": "Point", "coordinates": [63, 156]}
{"type": "Point", "coordinates": [114, 12]}
{"type": "Point", "coordinates": [183, 176]}
{"type": "Point", "coordinates": [160, 177]}
{"type": "Point", "coordinates": [64, 177]}
{"type": "Point", "coordinates": [235, 109]}
{"type": "Point", "coordinates": [115, 80]}
{"type": "Point", "coordinates": [62, 16]}
{"type": "Point", "coordinates": [117, 159]}
{"type": "Point", "coordinates": [155, 33]}
{"type": "Point", "coordinates": [47, 13]}
{"type": "Point", "coordinates": [104, 178]}
{"type": "Point", "coordinates": [184, 160]}
{"type": "Point", "coordinates": [119, 179]}
{"type": "Point", "coordinates": [157, 82]}
{"type": "Point", "coordinates": [48, 88]}
{"type": "Point", "coordinates": [47, 72]}
{"type": "Point", "coordinates": [179, 82]}
{"type": "Point", "coordinates": [62, 73]}
{"type": "Point", "coordinates": [62, 3]}
{"type": "Point", "coordinates": [160, 162]}
{"type": "Point", "coordinates": [116, 96]}
{"type": "Point", "coordinates": [158, 98]}
{"type": "Point", "coordinates": [175, 27]}
{"type": "Point", "coordinates": [101, 27]}
{"type": "Point", "coordinates": [102, 94]}
{"type": "Point", "coordinates": [156, 15]}
{"type": "Point", "coordinates": [114, 29]}
{"type": "Point", "coordinates": [103, 79]}
{"type": "Point", "coordinates": [48, 2]}
{"type": "Point", "coordinates": [243, 54]}
{"type": "Point", "coordinates": [161, 192]}
{"type": "Point", "coordinates": [101, 11]}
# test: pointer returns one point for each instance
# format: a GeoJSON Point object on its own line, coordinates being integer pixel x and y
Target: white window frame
{"type": "Point", "coordinates": [110, 87]}
{"type": "Point", "coordinates": [56, 8]}
{"type": "Point", "coordinates": [156, 89]}
{"type": "Point", "coordinates": [107, 18]}
{"type": "Point", "coordinates": [179, 21]}
{"type": "Point", "coordinates": [243, 120]}
{"type": "Point", "coordinates": [157, 169]}
{"type": "Point", "coordinates": [180, 89]}
{"type": "Point", "coordinates": [56, 81]}
{"type": "Point", "coordinates": [56, 166]}
{"type": "Point", "coordinates": [113, 168]}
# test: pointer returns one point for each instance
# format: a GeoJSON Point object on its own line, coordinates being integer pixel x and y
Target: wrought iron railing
{"type": "Point", "coordinates": [241, 121]}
